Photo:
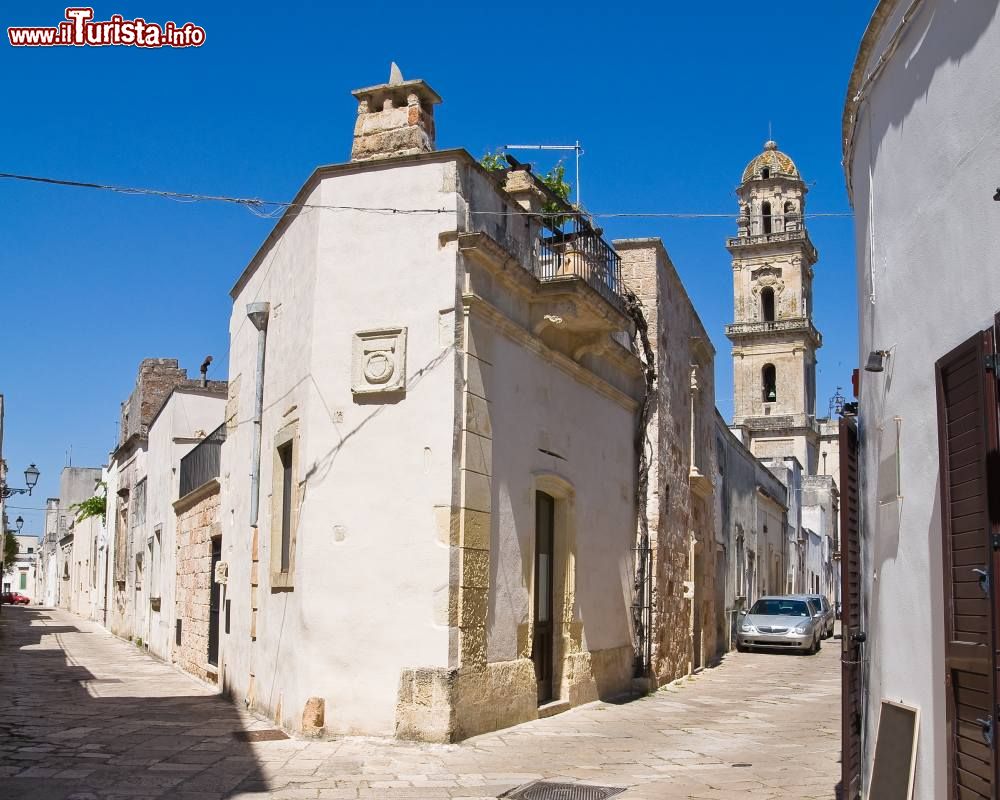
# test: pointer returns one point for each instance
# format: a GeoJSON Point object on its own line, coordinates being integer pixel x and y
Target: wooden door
{"type": "Point", "coordinates": [541, 651]}
{"type": "Point", "coordinates": [853, 637]}
{"type": "Point", "coordinates": [968, 441]}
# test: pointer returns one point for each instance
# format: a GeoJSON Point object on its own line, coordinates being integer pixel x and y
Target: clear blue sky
{"type": "Point", "coordinates": [671, 100]}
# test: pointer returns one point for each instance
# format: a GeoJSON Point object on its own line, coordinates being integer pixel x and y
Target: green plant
{"type": "Point", "coordinates": [494, 162]}
{"type": "Point", "coordinates": [93, 506]}
{"type": "Point", "coordinates": [555, 182]}
{"type": "Point", "coordinates": [9, 548]}
{"type": "Point", "coordinates": [138, 641]}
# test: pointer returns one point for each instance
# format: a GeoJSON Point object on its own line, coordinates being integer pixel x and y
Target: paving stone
{"type": "Point", "coordinates": [147, 730]}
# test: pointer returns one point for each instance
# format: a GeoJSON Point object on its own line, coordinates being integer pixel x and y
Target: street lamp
{"type": "Point", "coordinates": [30, 479]}
{"type": "Point", "coordinates": [20, 523]}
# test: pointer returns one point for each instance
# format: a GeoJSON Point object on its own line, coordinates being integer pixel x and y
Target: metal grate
{"type": "Point", "coordinates": [548, 790]}
{"type": "Point", "coordinates": [202, 463]}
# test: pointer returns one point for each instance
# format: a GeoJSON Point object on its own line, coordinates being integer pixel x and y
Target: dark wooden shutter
{"type": "Point", "coordinates": [967, 433]}
{"type": "Point", "coordinates": [852, 643]}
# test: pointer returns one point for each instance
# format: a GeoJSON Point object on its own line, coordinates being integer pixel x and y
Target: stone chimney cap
{"type": "Point", "coordinates": [397, 87]}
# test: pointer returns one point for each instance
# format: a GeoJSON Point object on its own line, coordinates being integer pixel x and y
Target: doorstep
{"type": "Point", "coordinates": [553, 708]}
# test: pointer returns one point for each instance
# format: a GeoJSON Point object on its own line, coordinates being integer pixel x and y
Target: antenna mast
{"type": "Point", "coordinates": [576, 148]}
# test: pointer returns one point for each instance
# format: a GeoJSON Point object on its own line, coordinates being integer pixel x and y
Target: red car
{"type": "Point", "coordinates": [14, 598]}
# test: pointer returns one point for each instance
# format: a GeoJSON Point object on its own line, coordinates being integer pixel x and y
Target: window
{"type": "Point", "coordinates": [24, 580]}
{"type": "Point", "coordinates": [284, 507]}
{"type": "Point", "coordinates": [767, 304]}
{"type": "Point", "coordinates": [765, 216]}
{"type": "Point", "coordinates": [769, 381]}
{"type": "Point", "coordinates": [139, 505]}
{"type": "Point", "coordinates": [791, 223]}
{"type": "Point", "coordinates": [154, 554]}
{"type": "Point", "coordinates": [285, 455]}
{"type": "Point", "coordinates": [765, 173]}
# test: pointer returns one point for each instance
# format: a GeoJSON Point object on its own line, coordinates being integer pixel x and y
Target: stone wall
{"type": "Point", "coordinates": [197, 523]}
{"type": "Point", "coordinates": [156, 378]}
{"type": "Point", "coordinates": [681, 509]}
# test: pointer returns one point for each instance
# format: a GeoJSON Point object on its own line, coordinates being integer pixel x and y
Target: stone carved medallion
{"type": "Point", "coordinates": [379, 361]}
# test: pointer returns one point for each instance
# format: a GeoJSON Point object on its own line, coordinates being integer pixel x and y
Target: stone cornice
{"type": "Point", "coordinates": [195, 496]}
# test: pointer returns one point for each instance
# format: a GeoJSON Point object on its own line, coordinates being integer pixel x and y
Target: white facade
{"type": "Point", "coordinates": [145, 525]}
{"type": "Point", "coordinates": [383, 589]}
{"type": "Point", "coordinates": [188, 415]}
{"type": "Point", "coordinates": [921, 155]}
{"type": "Point", "coordinates": [20, 576]}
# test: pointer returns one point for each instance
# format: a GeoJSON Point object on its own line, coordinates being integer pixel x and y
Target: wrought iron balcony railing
{"type": "Point", "coordinates": [203, 463]}
{"type": "Point", "coordinates": [581, 252]}
{"type": "Point", "coordinates": [775, 326]}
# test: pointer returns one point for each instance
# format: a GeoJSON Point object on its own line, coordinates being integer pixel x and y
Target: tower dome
{"type": "Point", "coordinates": [772, 163]}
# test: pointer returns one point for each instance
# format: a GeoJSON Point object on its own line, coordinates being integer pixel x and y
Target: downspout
{"type": "Point", "coordinates": [258, 314]}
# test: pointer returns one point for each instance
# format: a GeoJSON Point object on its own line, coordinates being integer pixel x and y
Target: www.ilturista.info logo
{"type": "Point", "coordinates": [79, 29]}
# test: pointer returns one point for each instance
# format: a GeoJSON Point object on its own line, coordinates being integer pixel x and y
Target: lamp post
{"type": "Point", "coordinates": [31, 475]}
{"type": "Point", "coordinates": [30, 480]}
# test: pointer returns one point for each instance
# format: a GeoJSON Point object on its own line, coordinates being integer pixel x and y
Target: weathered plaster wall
{"type": "Point", "coordinates": [926, 238]}
{"type": "Point", "coordinates": [535, 411]}
{"type": "Point", "coordinates": [73, 558]}
{"type": "Point", "coordinates": [748, 497]}
{"type": "Point", "coordinates": [370, 584]}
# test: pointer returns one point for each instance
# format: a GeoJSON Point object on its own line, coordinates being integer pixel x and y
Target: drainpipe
{"type": "Point", "coordinates": [258, 314]}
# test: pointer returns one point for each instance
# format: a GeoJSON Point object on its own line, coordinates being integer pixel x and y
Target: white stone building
{"type": "Point", "coordinates": [128, 611]}
{"type": "Point", "coordinates": [72, 544]}
{"type": "Point", "coordinates": [162, 596]}
{"type": "Point", "coordinates": [922, 159]}
{"type": "Point", "coordinates": [436, 538]}
{"type": "Point", "coordinates": [752, 520]}
{"type": "Point", "coordinates": [21, 576]}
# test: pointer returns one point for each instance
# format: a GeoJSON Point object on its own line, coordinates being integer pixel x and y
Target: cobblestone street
{"type": "Point", "coordinates": [84, 715]}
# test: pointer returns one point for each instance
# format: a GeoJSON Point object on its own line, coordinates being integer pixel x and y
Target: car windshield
{"type": "Point", "coordinates": [776, 607]}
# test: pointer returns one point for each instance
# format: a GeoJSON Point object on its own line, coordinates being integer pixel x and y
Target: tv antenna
{"type": "Point", "coordinates": [576, 148]}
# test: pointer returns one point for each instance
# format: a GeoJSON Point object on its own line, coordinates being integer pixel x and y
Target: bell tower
{"type": "Point", "coordinates": [774, 339]}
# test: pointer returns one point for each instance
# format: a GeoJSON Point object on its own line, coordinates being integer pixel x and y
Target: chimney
{"type": "Point", "coordinates": [394, 119]}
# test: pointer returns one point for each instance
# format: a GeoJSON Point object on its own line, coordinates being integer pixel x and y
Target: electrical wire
{"type": "Point", "coordinates": [270, 209]}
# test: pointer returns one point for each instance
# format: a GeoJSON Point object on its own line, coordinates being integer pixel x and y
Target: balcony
{"type": "Point", "coordinates": [580, 253]}
{"type": "Point", "coordinates": [738, 330]}
{"type": "Point", "coordinates": [775, 237]}
{"type": "Point", "coordinates": [203, 463]}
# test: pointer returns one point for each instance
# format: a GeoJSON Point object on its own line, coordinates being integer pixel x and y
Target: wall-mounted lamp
{"type": "Point", "coordinates": [997, 195]}
{"type": "Point", "coordinates": [876, 361]}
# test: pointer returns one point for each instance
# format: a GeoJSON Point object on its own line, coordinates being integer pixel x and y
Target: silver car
{"type": "Point", "coordinates": [786, 623]}
{"type": "Point", "coordinates": [825, 609]}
